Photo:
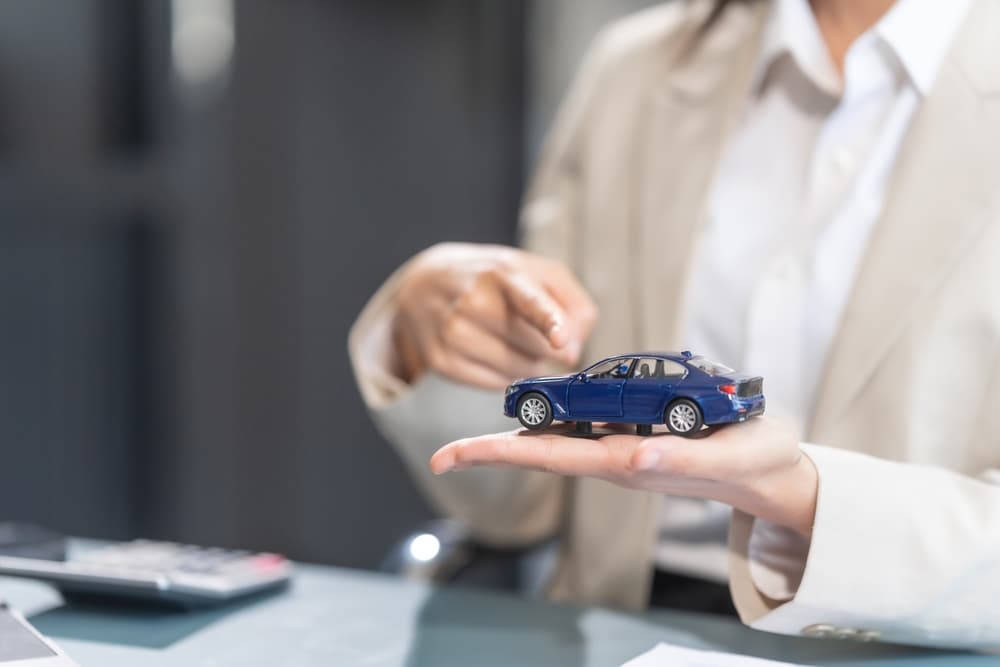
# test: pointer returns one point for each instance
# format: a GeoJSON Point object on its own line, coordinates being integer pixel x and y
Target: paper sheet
{"type": "Point", "coordinates": [665, 655]}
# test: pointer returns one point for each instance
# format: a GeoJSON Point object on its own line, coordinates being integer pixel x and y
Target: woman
{"type": "Point", "coordinates": [808, 191]}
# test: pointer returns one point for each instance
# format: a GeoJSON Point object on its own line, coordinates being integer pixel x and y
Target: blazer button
{"type": "Point", "coordinates": [819, 630]}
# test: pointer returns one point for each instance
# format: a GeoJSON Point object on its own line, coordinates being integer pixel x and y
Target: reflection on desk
{"type": "Point", "coordinates": [333, 616]}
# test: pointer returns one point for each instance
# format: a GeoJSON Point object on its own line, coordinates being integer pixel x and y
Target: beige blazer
{"type": "Point", "coordinates": [907, 552]}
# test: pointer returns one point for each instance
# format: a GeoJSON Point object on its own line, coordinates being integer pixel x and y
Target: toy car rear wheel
{"type": "Point", "coordinates": [534, 411]}
{"type": "Point", "coordinates": [683, 417]}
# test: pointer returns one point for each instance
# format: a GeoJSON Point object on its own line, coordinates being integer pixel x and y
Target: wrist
{"type": "Point", "coordinates": [404, 360]}
{"type": "Point", "coordinates": [787, 497]}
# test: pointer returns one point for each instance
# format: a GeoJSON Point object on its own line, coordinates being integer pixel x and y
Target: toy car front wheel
{"type": "Point", "coordinates": [534, 411]}
{"type": "Point", "coordinates": [683, 417]}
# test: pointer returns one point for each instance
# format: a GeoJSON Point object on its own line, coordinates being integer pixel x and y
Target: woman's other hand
{"type": "Point", "coordinates": [485, 314]}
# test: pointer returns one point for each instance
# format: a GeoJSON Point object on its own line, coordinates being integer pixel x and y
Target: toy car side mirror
{"type": "Point", "coordinates": [582, 377]}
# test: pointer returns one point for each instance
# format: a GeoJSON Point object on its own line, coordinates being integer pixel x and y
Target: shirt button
{"type": "Point", "coordinates": [819, 630]}
{"type": "Point", "coordinates": [844, 160]}
{"type": "Point", "coordinates": [785, 271]}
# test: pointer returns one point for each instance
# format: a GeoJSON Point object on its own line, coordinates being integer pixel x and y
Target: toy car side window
{"type": "Point", "coordinates": [658, 369]}
{"type": "Point", "coordinates": [670, 370]}
{"type": "Point", "coordinates": [622, 368]}
{"type": "Point", "coordinates": [645, 369]}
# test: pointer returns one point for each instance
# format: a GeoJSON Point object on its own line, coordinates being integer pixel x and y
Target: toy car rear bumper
{"type": "Point", "coordinates": [741, 410]}
{"type": "Point", "coordinates": [746, 408]}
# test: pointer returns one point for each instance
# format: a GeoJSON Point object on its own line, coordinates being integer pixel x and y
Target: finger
{"type": "Point", "coordinates": [607, 457]}
{"type": "Point", "coordinates": [534, 303]}
{"type": "Point", "coordinates": [464, 370]}
{"type": "Point", "coordinates": [525, 337]}
{"type": "Point", "coordinates": [618, 427]}
{"type": "Point", "coordinates": [465, 337]}
{"type": "Point", "coordinates": [568, 291]}
{"type": "Point", "coordinates": [731, 453]}
{"type": "Point", "coordinates": [679, 457]}
{"type": "Point", "coordinates": [487, 306]}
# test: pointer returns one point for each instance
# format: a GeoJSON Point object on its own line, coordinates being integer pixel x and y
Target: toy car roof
{"type": "Point", "coordinates": [670, 354]}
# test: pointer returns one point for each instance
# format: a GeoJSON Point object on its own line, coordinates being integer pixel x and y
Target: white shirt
{"type": "Point", "coordinates": [795, 200]}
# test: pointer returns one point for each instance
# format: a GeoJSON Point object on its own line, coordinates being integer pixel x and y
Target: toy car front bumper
{"type": "Point", "coordinates": [510, 404]}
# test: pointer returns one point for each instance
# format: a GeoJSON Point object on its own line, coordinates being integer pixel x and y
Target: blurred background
{"type": "Point", "coordinates": [196, 199]}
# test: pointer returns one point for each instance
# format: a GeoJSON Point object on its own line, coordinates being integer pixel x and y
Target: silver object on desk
{"type": "Point", "coordinates": [21, 645]}
{"type": "Point", "coordinates": [158, 571]}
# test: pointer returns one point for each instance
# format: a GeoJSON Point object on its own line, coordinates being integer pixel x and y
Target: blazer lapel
{"type": "Point", "coordinates": [685, 115]}
{"type": "Point", "coordinates": [938, 202]}
{"type": "Point", "coordinates": [685, 122]}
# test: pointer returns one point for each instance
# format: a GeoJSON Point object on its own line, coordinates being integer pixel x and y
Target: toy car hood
{"type": "Point", "coordinates": [545, 378]}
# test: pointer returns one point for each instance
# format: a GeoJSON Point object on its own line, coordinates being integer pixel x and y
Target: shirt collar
{"type": "Point", "coordinates": [792, 32]}
{"type": "Point", "coordinates": [918, 32]}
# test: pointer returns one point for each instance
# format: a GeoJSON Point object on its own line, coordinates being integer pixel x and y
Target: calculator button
{"type": "Point", "coordinates": [268, 561]}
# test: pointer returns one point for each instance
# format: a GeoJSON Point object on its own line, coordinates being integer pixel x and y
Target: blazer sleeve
{"type": "Point", "coordinates": [900, 552]}
{"type": "Point", "coordinates": [499, 506]}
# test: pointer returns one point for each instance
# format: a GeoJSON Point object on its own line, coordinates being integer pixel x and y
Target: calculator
{"type": "Point", "coordinates": [153, 571]}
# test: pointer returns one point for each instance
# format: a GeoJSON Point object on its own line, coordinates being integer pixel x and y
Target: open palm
{"type": "Point", "coordinates": [756, 466]}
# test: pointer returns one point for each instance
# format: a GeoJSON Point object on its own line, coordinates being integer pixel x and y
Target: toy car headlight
{"type": "Point", "coordinates": [510, 390]}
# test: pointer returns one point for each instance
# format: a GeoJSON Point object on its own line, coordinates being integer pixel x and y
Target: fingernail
{"type": "Point", "coordinates": [648, 459]}
{"type": "Point", "coordinates": [557, 334]}
{"type": "Point", "coordinates": [443, 464]}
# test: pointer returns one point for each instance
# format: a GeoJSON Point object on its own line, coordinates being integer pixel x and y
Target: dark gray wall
{"type": "Point", "coordinates": [177, 280]}
{"type": "Point", "coordinates": [73, 394]}
{"type": "Point", "coordinates": [77, 273]}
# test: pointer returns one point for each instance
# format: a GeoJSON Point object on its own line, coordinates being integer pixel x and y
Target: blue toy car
{"type": "Point", "coordinates": [681, 390]}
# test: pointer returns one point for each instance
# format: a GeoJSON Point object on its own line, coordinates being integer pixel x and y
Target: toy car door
{"type": "Point", "coordinates": [649, 388]}
{"type": "Point", "coordinates": [596, 393]}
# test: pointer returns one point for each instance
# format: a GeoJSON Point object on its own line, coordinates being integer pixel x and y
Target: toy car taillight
{"type": "Point", "coordinates": [728, 389]}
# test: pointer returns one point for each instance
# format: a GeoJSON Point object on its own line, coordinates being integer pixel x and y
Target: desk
{"type": "Point", "coordinates": [334, 617]}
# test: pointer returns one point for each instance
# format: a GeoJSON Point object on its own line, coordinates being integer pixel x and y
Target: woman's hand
{"type": "Point", "coordinates": [484, 315]}
{"type": "Point", "coordinates": [756, 466]}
